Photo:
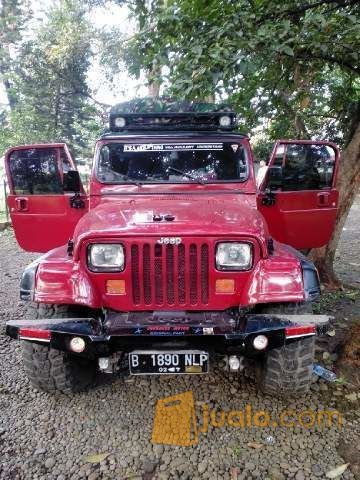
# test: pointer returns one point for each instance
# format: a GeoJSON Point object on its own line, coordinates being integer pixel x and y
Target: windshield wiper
{"type": "Point", "coordinates": [188, 175]}
{"type": "Point", "coordinates": [131, 180]}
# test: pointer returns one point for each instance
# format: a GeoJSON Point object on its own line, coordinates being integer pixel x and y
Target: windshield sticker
{"type": "Point", "coordinates": [234, 147]}
{"type": "Point", "coordinates": [179, 147]}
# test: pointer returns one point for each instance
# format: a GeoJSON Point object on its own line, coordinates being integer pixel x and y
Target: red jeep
{"type": "Point", "coordinates": [174, 256]}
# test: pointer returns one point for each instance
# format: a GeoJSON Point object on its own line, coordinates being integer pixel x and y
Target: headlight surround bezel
{"type": "Point", "coordinates": [104, 268]}
{"type": "Point", "coordinates": [234, 268]}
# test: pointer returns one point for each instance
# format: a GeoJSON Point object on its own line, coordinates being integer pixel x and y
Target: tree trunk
{"type": "Point", "coordinates": [154, 89]}
{"type": "Point", "coordinates": [154, 76]}
{"type": "Point", "coordinates": [299, 124]}
{"type": "Point", "coordinates": [348, 184]}
{"type": "Point", "coordinates": [5, 71]}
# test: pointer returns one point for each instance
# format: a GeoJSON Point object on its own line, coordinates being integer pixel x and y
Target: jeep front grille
{"type": "Point", "coordinates": [170, 275]}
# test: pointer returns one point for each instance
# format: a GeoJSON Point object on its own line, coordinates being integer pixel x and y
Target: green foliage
{"type": "Point", "coordinates": [293, 65]}
{"type": "Point", "coordinates": [14, 15]}
{"type": "Point", "coordinates": [262, 150]}
{"type": "Point", "coordinates": [290, 69]}
{"type": "Point", "coordinates": [329, 300]}
{"type": "Point", "coordinates": [50, 91]}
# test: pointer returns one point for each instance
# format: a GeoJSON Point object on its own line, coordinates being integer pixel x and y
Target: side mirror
{"type": "Point", "coordinates": [274, 177]}
{"type": "Point", "coordinates": [72, 182]}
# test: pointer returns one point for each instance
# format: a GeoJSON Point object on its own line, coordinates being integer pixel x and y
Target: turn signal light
{"type": "Point", "coordinates": [35, 334]}
{"type": "Point", "coordinates": [300, 331]}
{"type": "Point", "coordinates": [115, 287]}
{"type": "Point", "coordinates": [225, 285]}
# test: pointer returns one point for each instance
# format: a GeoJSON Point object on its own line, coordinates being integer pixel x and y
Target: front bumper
{"type": "Point", "coordinates": [215, 331]}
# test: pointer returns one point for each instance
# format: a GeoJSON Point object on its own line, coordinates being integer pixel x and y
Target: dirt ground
{"type": "Point", "coordinates": [348, 254]}
{"type": "Point", "coordinates": [51, 437]}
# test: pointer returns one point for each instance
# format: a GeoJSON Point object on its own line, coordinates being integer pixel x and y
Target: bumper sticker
{"type": "Point", "coordinates": [170, 147]}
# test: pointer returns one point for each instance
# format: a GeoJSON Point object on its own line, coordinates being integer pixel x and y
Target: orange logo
{"type": "Point", "coordinates": [175, 420]}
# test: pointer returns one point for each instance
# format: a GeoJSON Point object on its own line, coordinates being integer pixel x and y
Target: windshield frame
{"type": "Point", "coordinates": [166, 139]}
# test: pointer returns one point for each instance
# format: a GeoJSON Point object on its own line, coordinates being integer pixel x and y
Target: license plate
{"type": "Point", "coordinates": [168, 362]}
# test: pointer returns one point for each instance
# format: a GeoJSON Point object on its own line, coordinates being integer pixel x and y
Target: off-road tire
{"type": "Point", "coordinates": [53, 370]}
{"type": "Point", "coordinates": [287, 371]}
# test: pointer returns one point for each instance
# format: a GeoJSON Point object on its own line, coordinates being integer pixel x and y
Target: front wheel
{"type": "Point", "coordinates": [287, 371]}
{"type": "Point", "coordinates": [52, 370]}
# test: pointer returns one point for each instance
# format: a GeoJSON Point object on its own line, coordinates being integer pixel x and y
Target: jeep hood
{"type": "Point", "coordinates": [195, 215]}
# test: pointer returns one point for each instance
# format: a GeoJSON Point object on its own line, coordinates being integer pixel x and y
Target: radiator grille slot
{"type": "Point", "coordinates": [135, 274]}
{"type": "Point", "coordinates": [170, 274]}
{"type": "Point", "coordinates": [159, 294]}
{"type": "Point", "coordinates": [193, 274]}
{"type": "Point", "coordinates": [181, 276]}
{"type": "Point", "coordinates": [147, 274]}
{"type": "Point", "coordinates": [204, 273]}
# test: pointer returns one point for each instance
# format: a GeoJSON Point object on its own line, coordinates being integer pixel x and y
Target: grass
{"type": "Point", "coordinates": [237, 451]}
{"type": "Point", "coordinates": [329, 300]}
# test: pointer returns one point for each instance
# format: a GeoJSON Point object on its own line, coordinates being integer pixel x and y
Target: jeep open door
{"type": "Point", "coordinates": [298, 197]}
{"type": "Point", "coordinates": [45, 203]}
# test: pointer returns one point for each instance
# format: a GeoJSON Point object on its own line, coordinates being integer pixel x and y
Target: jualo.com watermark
{"type": "Point", "coordinates": [176, 421]}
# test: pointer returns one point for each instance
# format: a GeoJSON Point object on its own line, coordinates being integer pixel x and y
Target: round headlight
{"type": "Point", "coordinates": [106, 257]}
{"type": "Point", "coordinates": [225, 121]}
{"type": "Point", "coordinates": [120, 122]}
{"type": "Point", "coordinates": [233, 256]}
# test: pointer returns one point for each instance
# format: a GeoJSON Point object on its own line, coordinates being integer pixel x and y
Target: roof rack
{"type": "Point", "coordinates": [174, 133]}
{"type": "Point", "coordinates": [167, 114]}
{"type": "Point", "coordinates": [173, 121]}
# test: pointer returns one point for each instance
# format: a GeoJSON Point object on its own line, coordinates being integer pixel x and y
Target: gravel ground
{"type": "Point", "coordinates": [49, 437]}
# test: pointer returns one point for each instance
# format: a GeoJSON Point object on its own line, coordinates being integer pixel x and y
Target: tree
{"type": "Point", "coordinates": [49, 83]}
{"type": "Point", "coordinates": [291, 67]}
{"type": "Point", "coordinates": [14, 15]}
{"type": "Point", "coordinates": [120, 52]}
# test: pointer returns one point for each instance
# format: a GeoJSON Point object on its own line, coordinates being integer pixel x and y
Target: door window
{"type": "Point", "coordinates": [35, 171]}
{"type": "Point", "coordinates": [306, 166]}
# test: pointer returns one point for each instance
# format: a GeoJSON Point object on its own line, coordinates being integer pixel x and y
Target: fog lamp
{"type": "Point", "coordinates": [77, 344]}
{"type": "Point", "coordinates": [225, 121]}
{"type": "Point", "coordinates": [234, 363]}
{"type": "Point", "coordinates": [120, 122]}
{"type": "Point", "coordinates": [260, 342]}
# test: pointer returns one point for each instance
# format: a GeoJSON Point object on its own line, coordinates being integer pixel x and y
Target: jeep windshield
{"type": "Point", "coordinates": [187, 162]}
